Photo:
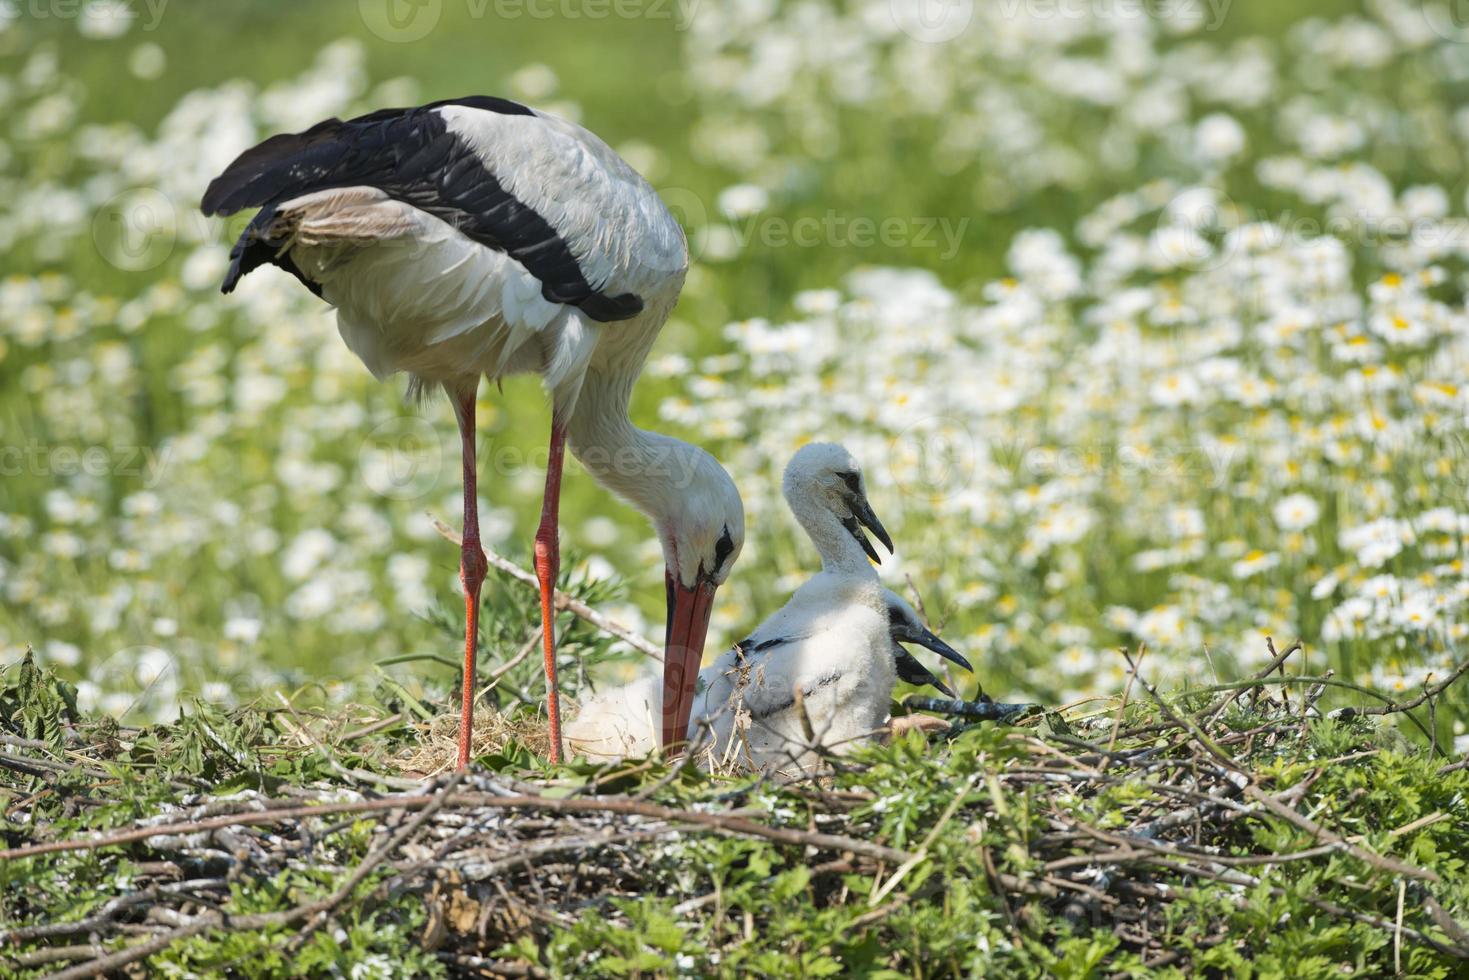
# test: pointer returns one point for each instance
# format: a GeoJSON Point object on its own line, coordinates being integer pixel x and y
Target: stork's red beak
{"type": "Point", "coordinates": [683, 649]}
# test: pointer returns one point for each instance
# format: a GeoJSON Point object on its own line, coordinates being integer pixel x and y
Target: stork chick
{"type": "Point", "coordinates": [815, 677]}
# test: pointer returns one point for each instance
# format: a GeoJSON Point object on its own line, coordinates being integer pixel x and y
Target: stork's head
{"type": "Point", "coordinates": [701, 523]}
{"type": "Point", "coordinates": [824, 488]}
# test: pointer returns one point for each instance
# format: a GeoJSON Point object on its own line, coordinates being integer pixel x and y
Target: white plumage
{"type": "Point", "coordinates": [541, 157]}
{"type": "Point", "coordinates": [414, 294]}
{"type": "Point", "coordinates": [422, 298]}
{"type": "Point", "coordinates": [831, 642]}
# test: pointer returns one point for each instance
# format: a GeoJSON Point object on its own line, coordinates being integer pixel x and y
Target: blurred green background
{"type": "Point", "coordinates": [652, 85]}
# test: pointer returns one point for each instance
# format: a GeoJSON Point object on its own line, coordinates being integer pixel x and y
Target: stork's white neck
{"type": "Point", "coordinates": [637, 465]}
{"type": "Point", "coordinates": [619, 455]}
{"type": "Point", "coordinates": [683, 490]}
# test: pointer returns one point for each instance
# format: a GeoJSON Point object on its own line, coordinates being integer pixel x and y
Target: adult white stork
{"type": "Point", "coordinates": [834, 642]}
{"type": "Point", "coordinates": [477, 237]}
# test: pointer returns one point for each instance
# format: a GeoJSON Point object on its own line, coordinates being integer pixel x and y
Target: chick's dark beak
{"type": "Point", "coordinates": [910, 670]}
{"type": "Point", "coordinates": [862, 510]}
{"type": "Point", "coordinates": [862, 516]}
{"type": "Point", "coordinates": [913, 633]}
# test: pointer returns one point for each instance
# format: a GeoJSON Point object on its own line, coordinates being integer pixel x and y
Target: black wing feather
{"type": "Point", "coordinates": [410, 155]}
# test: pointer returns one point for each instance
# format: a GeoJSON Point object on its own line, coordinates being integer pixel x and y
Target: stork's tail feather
{"type": "Point", "coordinates": [263, 172]}
{"type": "Point", "coordinates": [251, 250]}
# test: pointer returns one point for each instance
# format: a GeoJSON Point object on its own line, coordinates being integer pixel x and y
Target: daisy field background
{"type": "Point", "coordinates": [1146, 319]}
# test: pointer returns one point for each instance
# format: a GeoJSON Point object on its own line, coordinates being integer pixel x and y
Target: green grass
{"type": "Point", "coordinates": [1021, 852]}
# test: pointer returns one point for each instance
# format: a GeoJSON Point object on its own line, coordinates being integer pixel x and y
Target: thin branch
{"type": "Point", "coordinates": [718, 822]}
{"type": "Point", "coordinates": [1277, 660]}
{"type": "Point", "coordinates": [1428, 693]}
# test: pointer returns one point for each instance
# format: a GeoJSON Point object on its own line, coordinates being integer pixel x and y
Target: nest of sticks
{"type": "Point", "coordinates": [494, 857]}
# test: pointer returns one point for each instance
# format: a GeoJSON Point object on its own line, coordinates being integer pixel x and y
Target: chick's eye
{"type": "Point", "coordinates": [853, 480]}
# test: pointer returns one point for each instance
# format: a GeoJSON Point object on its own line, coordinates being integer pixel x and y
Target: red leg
{"type": "Point", "coordinates": [548, 564]}
{"type": "Point", "coordinates": [472, 566]}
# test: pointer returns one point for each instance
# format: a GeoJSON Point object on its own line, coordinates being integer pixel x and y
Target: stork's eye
{"type": "Point", "coordinates": [723, 548]}
{"type": "Point", "coordinates": [853, 480]}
